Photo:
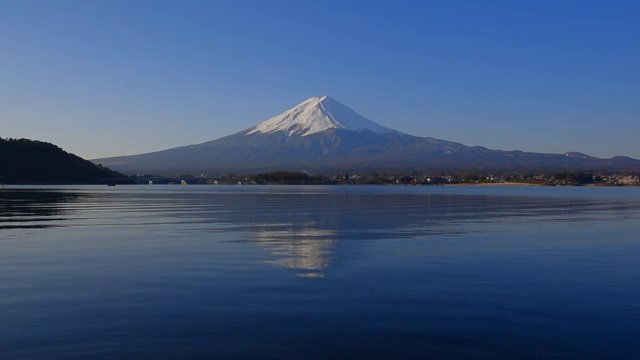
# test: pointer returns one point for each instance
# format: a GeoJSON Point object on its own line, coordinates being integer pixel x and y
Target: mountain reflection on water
{"type": "Point", "coordinates": [310, 240]}
{"type": "Point", "coordinates": [36, 209]}
{"type": "Point", "coordinates": [302, 227]}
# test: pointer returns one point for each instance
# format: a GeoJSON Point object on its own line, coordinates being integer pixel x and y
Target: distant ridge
{"type": "Point", "coordinates": [24, 161]}
{"type": "Point", "coordinates": [322, 135]}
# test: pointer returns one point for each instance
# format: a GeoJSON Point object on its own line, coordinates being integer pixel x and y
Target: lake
{"type": "Point", "coordinates": [319, 272]}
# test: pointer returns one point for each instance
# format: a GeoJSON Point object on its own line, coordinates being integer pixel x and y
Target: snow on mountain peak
{"type": "Point", "coordinates": [318, 114]}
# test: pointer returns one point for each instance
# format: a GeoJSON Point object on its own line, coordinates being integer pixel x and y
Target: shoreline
{"type": "Point", "coordinates": [500, 184]}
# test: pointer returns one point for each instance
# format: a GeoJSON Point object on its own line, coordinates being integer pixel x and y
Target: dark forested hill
{"type": "Point", "coordinates": [25, 161]}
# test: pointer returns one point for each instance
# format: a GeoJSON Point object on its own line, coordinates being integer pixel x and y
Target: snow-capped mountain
{"type": "Point", "coordinates": [318, 114]}
{"type": "Point", "coordinates": [322, 135]}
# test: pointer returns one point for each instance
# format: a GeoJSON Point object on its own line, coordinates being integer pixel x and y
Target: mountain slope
{"type": "Point", "coordinates": [28, 161]}
{"type": "Point", "coordinates": [322, 135]}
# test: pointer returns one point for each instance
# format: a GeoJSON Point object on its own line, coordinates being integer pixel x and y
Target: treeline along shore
{"type": "Point", "coordinates": [301, 178]}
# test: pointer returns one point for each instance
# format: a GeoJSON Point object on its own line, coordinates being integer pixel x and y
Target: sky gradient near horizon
{"type": "Point", "coordinates": [107, 78]}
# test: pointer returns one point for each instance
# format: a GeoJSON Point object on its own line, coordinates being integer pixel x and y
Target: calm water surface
{"type": "Point", "coordinates": [294, 272]}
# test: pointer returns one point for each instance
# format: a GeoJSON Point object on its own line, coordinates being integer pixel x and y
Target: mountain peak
{"type": "Point", "coordinates": [318, 114]}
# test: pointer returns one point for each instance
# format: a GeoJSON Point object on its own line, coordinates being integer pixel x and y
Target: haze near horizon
{"type": "Point", "coordinates": [112, 78]}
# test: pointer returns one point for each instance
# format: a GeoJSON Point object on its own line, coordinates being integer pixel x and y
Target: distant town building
{"type": "Point", "coordinates": [629, 180]}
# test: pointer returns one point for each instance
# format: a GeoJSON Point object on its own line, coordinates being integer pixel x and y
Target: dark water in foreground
{"type": "Point", "coordinates": [319, 272]}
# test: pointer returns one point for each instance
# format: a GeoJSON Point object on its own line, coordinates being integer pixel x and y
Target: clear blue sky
{"type": "Point", "coordinates": [112, 77]}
